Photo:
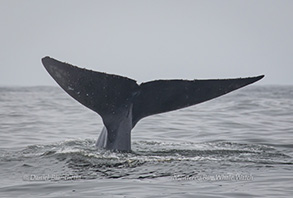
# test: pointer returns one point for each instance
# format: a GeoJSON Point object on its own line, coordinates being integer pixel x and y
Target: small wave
{"type": "Point", "coordinates": [148, 160]}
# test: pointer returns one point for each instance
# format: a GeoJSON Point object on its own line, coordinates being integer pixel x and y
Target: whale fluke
{"type": "Point", "coordinates": [121, 102]}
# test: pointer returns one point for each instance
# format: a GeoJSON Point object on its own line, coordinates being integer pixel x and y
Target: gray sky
{"type": "Point", "coordinates": [147, 40]}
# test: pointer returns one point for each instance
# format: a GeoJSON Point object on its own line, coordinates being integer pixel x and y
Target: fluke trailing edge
{"type": "Point", "coordinates": [121, 102]}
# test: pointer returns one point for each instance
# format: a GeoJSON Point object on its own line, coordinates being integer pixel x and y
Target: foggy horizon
{"type": "Point", "coordinates": [148, 40]}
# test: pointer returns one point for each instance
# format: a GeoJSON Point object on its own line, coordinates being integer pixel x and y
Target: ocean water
{"type": "Point", "coordinates": [238, 145]}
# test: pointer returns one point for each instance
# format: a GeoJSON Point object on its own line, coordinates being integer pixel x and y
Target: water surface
{"type": "Point", "coordinates": [238, 145]}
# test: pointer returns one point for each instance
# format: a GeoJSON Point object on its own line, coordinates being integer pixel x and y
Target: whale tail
{"type": "Point", "coordinates": [119, 99]}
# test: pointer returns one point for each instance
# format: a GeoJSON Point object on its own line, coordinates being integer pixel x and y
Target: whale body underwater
{"type": "Point", "coordinates": [121, 102]}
